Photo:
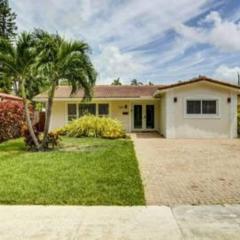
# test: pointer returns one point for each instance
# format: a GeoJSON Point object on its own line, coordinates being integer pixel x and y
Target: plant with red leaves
{"type": "Point", "coordinates": [11, 120]}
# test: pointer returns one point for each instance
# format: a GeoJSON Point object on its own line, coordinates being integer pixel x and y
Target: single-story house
{"type": "Point", "coordinates": [199, 108]}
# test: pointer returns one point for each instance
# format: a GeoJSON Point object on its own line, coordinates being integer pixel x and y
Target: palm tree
{"type": "Point", "coordinates": [135, 82]}
{"type": "Point", "coordinates": [116, 82]}
{"type": "Point", "coordinates": [62, 60]}
{"type": "Point", "coordinates": [16, 61]}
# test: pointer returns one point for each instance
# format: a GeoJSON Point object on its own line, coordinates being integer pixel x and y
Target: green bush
{"type": "Point", "coordinates": [92, 126]}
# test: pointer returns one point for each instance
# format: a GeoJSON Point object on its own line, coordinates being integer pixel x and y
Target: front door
{"type": "Point", "coordinates": [138, 117]}
{"type": "Point", "coordinates": [150, 116]}
{"type": "Point", "coordinates": [143, 117]}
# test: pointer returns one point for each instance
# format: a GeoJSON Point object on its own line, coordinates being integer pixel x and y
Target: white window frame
{"type": "Point", "coordinates": [77, 105]}
{"type": "Point", "coordinates": [203, 115]}
{"type": "Point", "coordinates": [75, 115]}
{"type": "Point", "coordinates": [103, 115]}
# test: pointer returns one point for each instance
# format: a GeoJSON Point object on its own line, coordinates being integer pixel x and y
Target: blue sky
{"type": "Point", "coordinates": [157, 40]}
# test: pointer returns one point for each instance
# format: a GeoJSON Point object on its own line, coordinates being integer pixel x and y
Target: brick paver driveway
{"type": "Point", "coordinates": [177, 171]}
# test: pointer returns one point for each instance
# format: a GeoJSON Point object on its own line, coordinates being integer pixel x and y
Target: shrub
{"type": "Point", "coordinates": [53, 140]}
{"type": "Point", "coordinates": [11, 119]}
{"type": "Point", "coordinates": [28, 139]}
{"type": "Point", "coordinates": [92, 126]}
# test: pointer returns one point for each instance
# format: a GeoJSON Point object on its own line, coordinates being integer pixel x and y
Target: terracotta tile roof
{"type": "Point", "coordinates": [127, 91]}
{"type": "Point", "coordinates": [106, 91]}
{"type": "Point", "coordinates": [9, 97]}
{"type": "Point", "coordinates": [199, 79]}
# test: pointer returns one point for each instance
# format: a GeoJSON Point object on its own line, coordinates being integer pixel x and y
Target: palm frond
{"type": "Point", "coordinates": [6, 47]}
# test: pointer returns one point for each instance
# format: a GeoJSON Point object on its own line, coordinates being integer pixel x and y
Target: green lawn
{"type": "Point", "coordinates": [84, 171]}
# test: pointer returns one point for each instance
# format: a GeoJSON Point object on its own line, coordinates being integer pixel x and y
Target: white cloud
{"type": "Point", "coordinates": [226, 73]}
{"type": "Point", "coordinates": [112, 63]}
{"type": "Point", "coordinates": [222, 34]}
{"type": "Point", "coordinates": [114, 28]}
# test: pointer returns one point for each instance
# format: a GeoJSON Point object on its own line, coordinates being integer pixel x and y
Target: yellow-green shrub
{"type": "Point", "coordinates": [92, 126]}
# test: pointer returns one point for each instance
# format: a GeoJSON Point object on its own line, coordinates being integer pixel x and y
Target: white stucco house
{"type": "Point", "coordinates": [198, 108]}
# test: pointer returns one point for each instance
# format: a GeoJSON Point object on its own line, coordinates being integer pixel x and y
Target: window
{"type": "Point", "coordinates": [72, 112]}
{"type": "Point", "coordinates": [87, 109]}
{"type": "Point", "coordinates": [193, 107]}
{"type": "Point", "coordinates": [103, 109]}
{"type": "Point", "coordinates": [75, 111]}
{"type": "Point", "coordinates": [209, 107]}
{"type": "Point", "coordinates": [202, 107]}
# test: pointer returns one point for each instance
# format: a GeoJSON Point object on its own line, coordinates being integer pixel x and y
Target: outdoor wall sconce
{"type": "Point", "coordinates": [229, 100]}
{"type": "Point", "coordinates": [123, 106]}
{"type": "Point", "coordinates": [175, 99]}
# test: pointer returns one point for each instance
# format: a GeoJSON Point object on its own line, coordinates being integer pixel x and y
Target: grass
{"type": "Point", "coordinates": [85, 171]}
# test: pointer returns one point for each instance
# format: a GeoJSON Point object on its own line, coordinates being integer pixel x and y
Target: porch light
{"type": "Point", "coordinates": [229, 100]}
{"type": "Point", "coordinates": [175, 99]}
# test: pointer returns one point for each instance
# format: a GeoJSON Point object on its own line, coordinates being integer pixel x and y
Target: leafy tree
{"type": "Point", "coordinates": [116, 82]}
{"type": "Point", "coordinates": [58, 60]}
{"type": "Point", "coordinates": [5, 82]}
{"type": "Point", "coordinates": [8, 26]}
{"type": "Point", "coordinates": [16, 60]}
{"type": "Point", "coordinates": [49, 58]}
{"type": "Point", "coordinates": [150, 84]}
{"type": "Point", "coordinates": [7, 30]}
{"type": "Point", "coordinates": [135, 82]}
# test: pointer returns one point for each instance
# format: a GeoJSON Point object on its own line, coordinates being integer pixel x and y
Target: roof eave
{"type": "Point", "coordinates": [219, 84]}
{"type": "Point", "coordinates": [44, 99]}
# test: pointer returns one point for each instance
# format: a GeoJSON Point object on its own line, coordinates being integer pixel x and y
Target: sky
{"type": "Point", "coordinates": [158, 41]}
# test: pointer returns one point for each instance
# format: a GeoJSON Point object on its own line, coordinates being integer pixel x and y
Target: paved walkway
{"type": "Point", "coordinates": [188, 171]}
{"type": "Point", "coordinates": [120, 223]}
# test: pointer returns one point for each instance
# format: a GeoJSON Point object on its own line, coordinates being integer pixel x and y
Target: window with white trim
{"type": "Point", "coordinates": [103, 109]}
{"type": "Point", "coordinates": [193, 107]}
{"type": "Point", "coordinates": [75, 110]}
{"type": "Point", "coordinates": [87, 108]}
{"type": "Point", "coordinates": [202, 107]}
{"type": "Point", "coordinates": [72, 112]}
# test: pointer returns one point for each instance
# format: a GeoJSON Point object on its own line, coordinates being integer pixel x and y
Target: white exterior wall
{"type": "Point", "coordinates": [117, 109]}
{"type": "Point", "coordinates": [162, 115]}
{"type": "Point", "coordinates": [58, 115]}
{"type": "Point", "coordinates": [180, 125]}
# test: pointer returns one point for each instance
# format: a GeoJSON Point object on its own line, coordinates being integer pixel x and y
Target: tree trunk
{"type": "Point", "coordinates": [27, 116]}
{"type": "Point", "coordinates": [48, 115]}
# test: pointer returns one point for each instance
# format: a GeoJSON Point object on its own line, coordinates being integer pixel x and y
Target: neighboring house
{"type": "Point", "coordinates": [8, 97]}
{"type": "Point", "coordinates": [199, 108]}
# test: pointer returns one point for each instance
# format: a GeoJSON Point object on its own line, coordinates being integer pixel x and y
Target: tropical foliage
{"type": "Point", "coordinates": [135, 82]}
{"type": "Point", "coordinates": [93, 126]}
{"type": "Point", "coordinates": [17, 60]}
{"type": "Point", "coordinates": [116, 82]}
{"type": "Point", "coordinates": [11, 120]}
{"type": "Point", "coordinates": [42, 59]}
{"type": "Point", "coordinates": [60, 59]}
{"type": "Point", "coordinates": [53, 139]}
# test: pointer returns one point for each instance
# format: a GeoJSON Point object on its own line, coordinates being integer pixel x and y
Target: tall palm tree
{"type": "Point", "coordinates": [135, 82]}
{"type": "Point", "coordinates": [116, 82]}
{"type": "Point", "coordinates": [59, 60]}
{"type": "Point", "coordinates": [16, 61]}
